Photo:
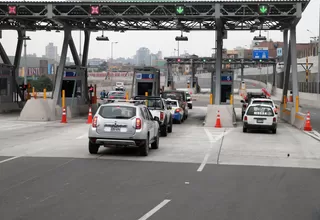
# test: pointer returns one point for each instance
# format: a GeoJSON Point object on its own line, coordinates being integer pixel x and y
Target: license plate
{"type": "Point", "coordinates": [116, 129]}
{"type": "Point", "coordinates": [259, 121]}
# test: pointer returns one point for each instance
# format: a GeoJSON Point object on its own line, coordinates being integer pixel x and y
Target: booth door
{"type": "Point", "coordinates": [225, 92]}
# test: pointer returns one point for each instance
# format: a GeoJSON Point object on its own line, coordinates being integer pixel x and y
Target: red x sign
{"type": "Point", "coordinates": [95, 10]}
{"type": "Point", "coordinates": [12, 10]}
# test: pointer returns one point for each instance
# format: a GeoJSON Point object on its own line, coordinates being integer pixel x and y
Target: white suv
{"type": "Point", "coordinates": [264, 101]}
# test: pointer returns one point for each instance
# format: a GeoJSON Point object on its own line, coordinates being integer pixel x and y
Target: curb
{"type": "Point", "coordinates": [315, 136]}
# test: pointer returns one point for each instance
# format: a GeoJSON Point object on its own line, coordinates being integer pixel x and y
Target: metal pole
{"type": "Point", "coordinates": [318, 84]}
{"type": "Point", "coordinates": [80, 42]}
{"type": "Point", "coordinates": [25, 61]}
{"type": "Point", "coordinates": [111, 52]}
{"type": "Point", "coordinates": [178, 49]}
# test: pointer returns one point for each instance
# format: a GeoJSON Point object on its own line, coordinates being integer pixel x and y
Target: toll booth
{"type": "Point", "coordinates": [72, 84]}
{"type": "Point", "coordinates": [227, 77]}
{"type": "Point", "coordinates": [146, 79]}
{"type": "Point", "coordinates": [195, 82]}
{"type": "Point", "coordinates": [6, 83]}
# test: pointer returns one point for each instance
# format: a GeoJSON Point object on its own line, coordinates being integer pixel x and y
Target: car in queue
{"type": "Point", "coordinates": [176, 110]}
{"type": "Point", "coordinates": [247, 100]}
{"type": "Point", "coordinates": [180, 96]}
{"type": "Point", "coordinates": [119, 86]}
{"type": "Point", "coordinates": [264, 101]}
{"type": "Point", "coordinates": [260, 117]}
{"type": "Point", "coordinates": [189, 100]}
{"type": "Point", "coordinates": [158, 108]}
{"type": "Point", "coordinates": [126, 125]}
{"type": "Point", "coordinates": [115, 95]}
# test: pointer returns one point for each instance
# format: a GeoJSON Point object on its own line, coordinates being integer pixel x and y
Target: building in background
{"type": "Point", "coordinates": [52, 52]}
{"type": "Point", "coordinates": [143, 57]}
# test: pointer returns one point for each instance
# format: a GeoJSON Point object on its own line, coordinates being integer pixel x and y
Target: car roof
{"type": "Point", "coordinates": [128, 104]}
{"type": "Point", "coordinates": [262, 105]}
{"type": "Point", "coordinates": [261, 99]}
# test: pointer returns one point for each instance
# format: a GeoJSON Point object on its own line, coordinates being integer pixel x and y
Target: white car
{"type": "Point", "coordinates": [264, 101]}
{"type": "Point", "coordinates": [176, 110]}
{"type": "Point", "coordinates": [189, 100]}
{"type": "Point", "coordinates": [119, 86]}
{"type": "Point", "coordinates": [260, 117]}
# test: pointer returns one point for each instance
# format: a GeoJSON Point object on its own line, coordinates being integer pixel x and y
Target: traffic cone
{"type": "Point", "coordinates": [307, 126]}
{"type": "Point", "coordinates": [64, 116]}
{"type": "Point", "coordinates": [218, 122]}
{"type": "Point", "coordinates": [89, 121]}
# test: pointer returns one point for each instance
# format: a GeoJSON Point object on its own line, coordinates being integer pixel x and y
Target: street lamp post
{"type": "Point", "coordinates": [112, 50]}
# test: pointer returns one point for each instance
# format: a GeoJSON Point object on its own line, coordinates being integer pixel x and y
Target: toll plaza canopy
{"type": "Point", "coordinates": [125, 15]}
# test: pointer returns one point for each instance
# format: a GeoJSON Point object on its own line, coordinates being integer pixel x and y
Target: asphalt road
{"type": "Point", "coordinates": [67, 188]}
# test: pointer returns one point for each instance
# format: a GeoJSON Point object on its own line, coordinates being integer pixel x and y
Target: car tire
{"type": "Point", "coordinates": [144, 148]}
{"type": "Point", "coordinates": [170, 127]}
{"type": "Point", "coordinates": [274, 131]}
{"type": "Point", "coordinates": [244, 130]}
{"type": "Point", "coordinates": [93, 148]}
{"type": "Point", "coordinates": [164, 130]}
{"type": "Point", "coordinates": [155, 144]}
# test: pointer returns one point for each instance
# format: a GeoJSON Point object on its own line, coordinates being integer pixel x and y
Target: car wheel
{"type": "Point", "coordinates": [93, 148]}
{"type": "Point", "coordinates": [164, 130]}
{"type": "Point", "coordinates": [170, 127]}
{"type": "Point", "coordinates": [155, 144]}
{"type": "Point", "coordinates": [244, 130]}
{"type": "Point", "coordinates": [144, 148]}
{"type": "Point", "coordinates": [274, 131]}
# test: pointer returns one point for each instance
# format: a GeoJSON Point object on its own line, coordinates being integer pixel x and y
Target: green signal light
{"type": "Point", "coordinates": [263, 9]}
{"type": "Point", "coordinates": [204, 60]}
{"type": "Point", "coordinates": [260, 61]}
{"type": "Point", "coordinates": [229, 61]}
{"type": "Point", "coordinates": [180, 10]}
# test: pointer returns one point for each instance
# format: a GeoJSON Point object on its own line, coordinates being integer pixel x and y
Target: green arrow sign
{"type": "Point", "coordinates": [263, 9]}
{"type": "Point", "coordinates": [180, 9]}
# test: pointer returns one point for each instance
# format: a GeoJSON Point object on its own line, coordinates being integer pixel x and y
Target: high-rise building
{"type": "Point", "coordinates": [143, 56]}
{"type": "Point", "coordinates": [52, 52]}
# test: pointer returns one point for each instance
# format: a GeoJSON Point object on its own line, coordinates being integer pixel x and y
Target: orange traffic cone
{"type": "Point", "coordinates": [218, 122]}
{"type": "Point", "coordinates": [89, 121]}
{"type": "Point", "coordinates": [64, 116]}
{"type": "Point", "coordinates": [307, 126]}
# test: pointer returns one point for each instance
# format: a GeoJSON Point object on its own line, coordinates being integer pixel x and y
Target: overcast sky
{"type": "Point", "coordinates": [199, 43]}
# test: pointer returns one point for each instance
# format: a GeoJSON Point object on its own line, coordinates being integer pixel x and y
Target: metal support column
{"type": "Point", "coordinates": [84, 63]}
{"type": "Point", "coordinates": [242, 70]}
{"type": "Point", "coordinates": [17, 59]}
{"type": "Point", "coordinates": [218, 68]}
{"type": "Point", "coordinates": [294, 65]}
{"type": "Point", "coordinates": [4, 55]}
{"type": "Point", "coordinates": [193, 73]}
{"type": "Point", "coordinates": [167, 75]}
{"type": "Point", "coordinates": [74, 52]}
{"type": "Point", "coordinates": [287, 63]}
{"type": "Point", "coordinates": [62, 63]}
{"type": "Point", "coordinates": [274, 75]}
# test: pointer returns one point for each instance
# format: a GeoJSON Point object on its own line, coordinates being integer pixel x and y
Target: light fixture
{"type": "Point", "coordinates": [102, 38]}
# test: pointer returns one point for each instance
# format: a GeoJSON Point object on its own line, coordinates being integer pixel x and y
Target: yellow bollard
{"type": "Point", "coordinates": [297, 104]}
{"type": "Point", "coordinates": [231, 99]}
{"type": "Point", "coordinates": [44, 94]}
{"type": "Point", "coordinates": [146, 94]}
{"type": "Point", "coordinates": [211, 99]}
{"type": "Point", "coordinates": [63, 99]}
{"type": "Point", "coordinates": [33, 91]}
{"type": "Point", "coordinates": [284, 101]}
{"type": "Point", "coordinates": [127, 95]}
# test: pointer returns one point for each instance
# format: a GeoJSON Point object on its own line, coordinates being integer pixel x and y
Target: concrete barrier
{"type": "Point", "coordinates": [36, 110]}
{"type": "Point", "coordinates": [300, 120]}
{"type": "Point", "coordinates": [227, 115]}
{"type": "Point", "coordinates": [286, 115]}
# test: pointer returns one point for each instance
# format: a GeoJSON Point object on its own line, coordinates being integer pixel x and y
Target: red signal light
{"type": "Point", "coordinates": [179, 60]}
{"type": "Point", "coordinates": [94, 10]}
{"type": "Point", "coordinates": [12, 10]}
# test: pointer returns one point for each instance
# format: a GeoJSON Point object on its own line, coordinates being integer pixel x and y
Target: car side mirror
{"type": "Point", "coordinates": [242, 101]}
{"type": "Point", "coordinates": [156, 118]}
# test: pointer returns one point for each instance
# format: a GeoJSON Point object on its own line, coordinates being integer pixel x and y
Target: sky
{"type": "Point", "coordinates": [200, 42]}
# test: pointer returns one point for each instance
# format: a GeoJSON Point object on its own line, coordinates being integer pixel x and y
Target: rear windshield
{"type": "Point", "coordinates": [153, 104]}
{"type": "Point", "coordinates": [173, 95]}
{"type": "Point", "coordinates": [172, 103]}
{"type": "Point", "coordinates": [116, 94]}
{"type": "Point", "coordinates": [124, 112]}
{"type": "Point", "coordinates": [260, 111]}
{"type": "Point", "coordinates": [119, 84]}
{"type": "Point", "coordinates": [262, 102]}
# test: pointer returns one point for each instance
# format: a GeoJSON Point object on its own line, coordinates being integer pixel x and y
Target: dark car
{"type": "Point", "coordinates": [177, 95]}
{"type": "Point", "coordinates": [113, 95]}
{"type": "Point", "coordinates": [248, 98]}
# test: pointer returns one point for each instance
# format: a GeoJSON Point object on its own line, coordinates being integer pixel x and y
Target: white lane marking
{"type": "Point", "coordinates": [82, 136]}
{"type": "Point", "coordinates": [154, 210]}
{"type": "Point", "coordinates": [205, 159]}
{"type": "Point", "coordinates": [11, 158]}
{"type": "Point", "coordinates": [209, 135]}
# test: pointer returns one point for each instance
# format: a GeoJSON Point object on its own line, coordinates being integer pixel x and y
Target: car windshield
{"type": "Point", "coordinates": [172, 103]}
{"type": "Point", "coordinates": [262, 102]}
{"type": "Point", "coordinates": [154, 103]}
{"type": "Point", "coordinates": [116, 94]}
{"type": "Point", "coordinates": [172, 95]}
{"type": "Point", "coordinates": [124, 112]}
{"type": "Point", "coordinates": [260, 111]}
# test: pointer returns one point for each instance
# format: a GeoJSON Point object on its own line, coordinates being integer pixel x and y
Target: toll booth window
{"type": "Point", "coordinates": [68, 86]}
{"type": "Point", "coordinates": [3, 86]}
{"type": "Point", "coordinates": [144, 87]}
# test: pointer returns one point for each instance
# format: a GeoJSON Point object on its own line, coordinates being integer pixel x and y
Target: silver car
{"type": "Point", "coordinates": [124, 124]}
